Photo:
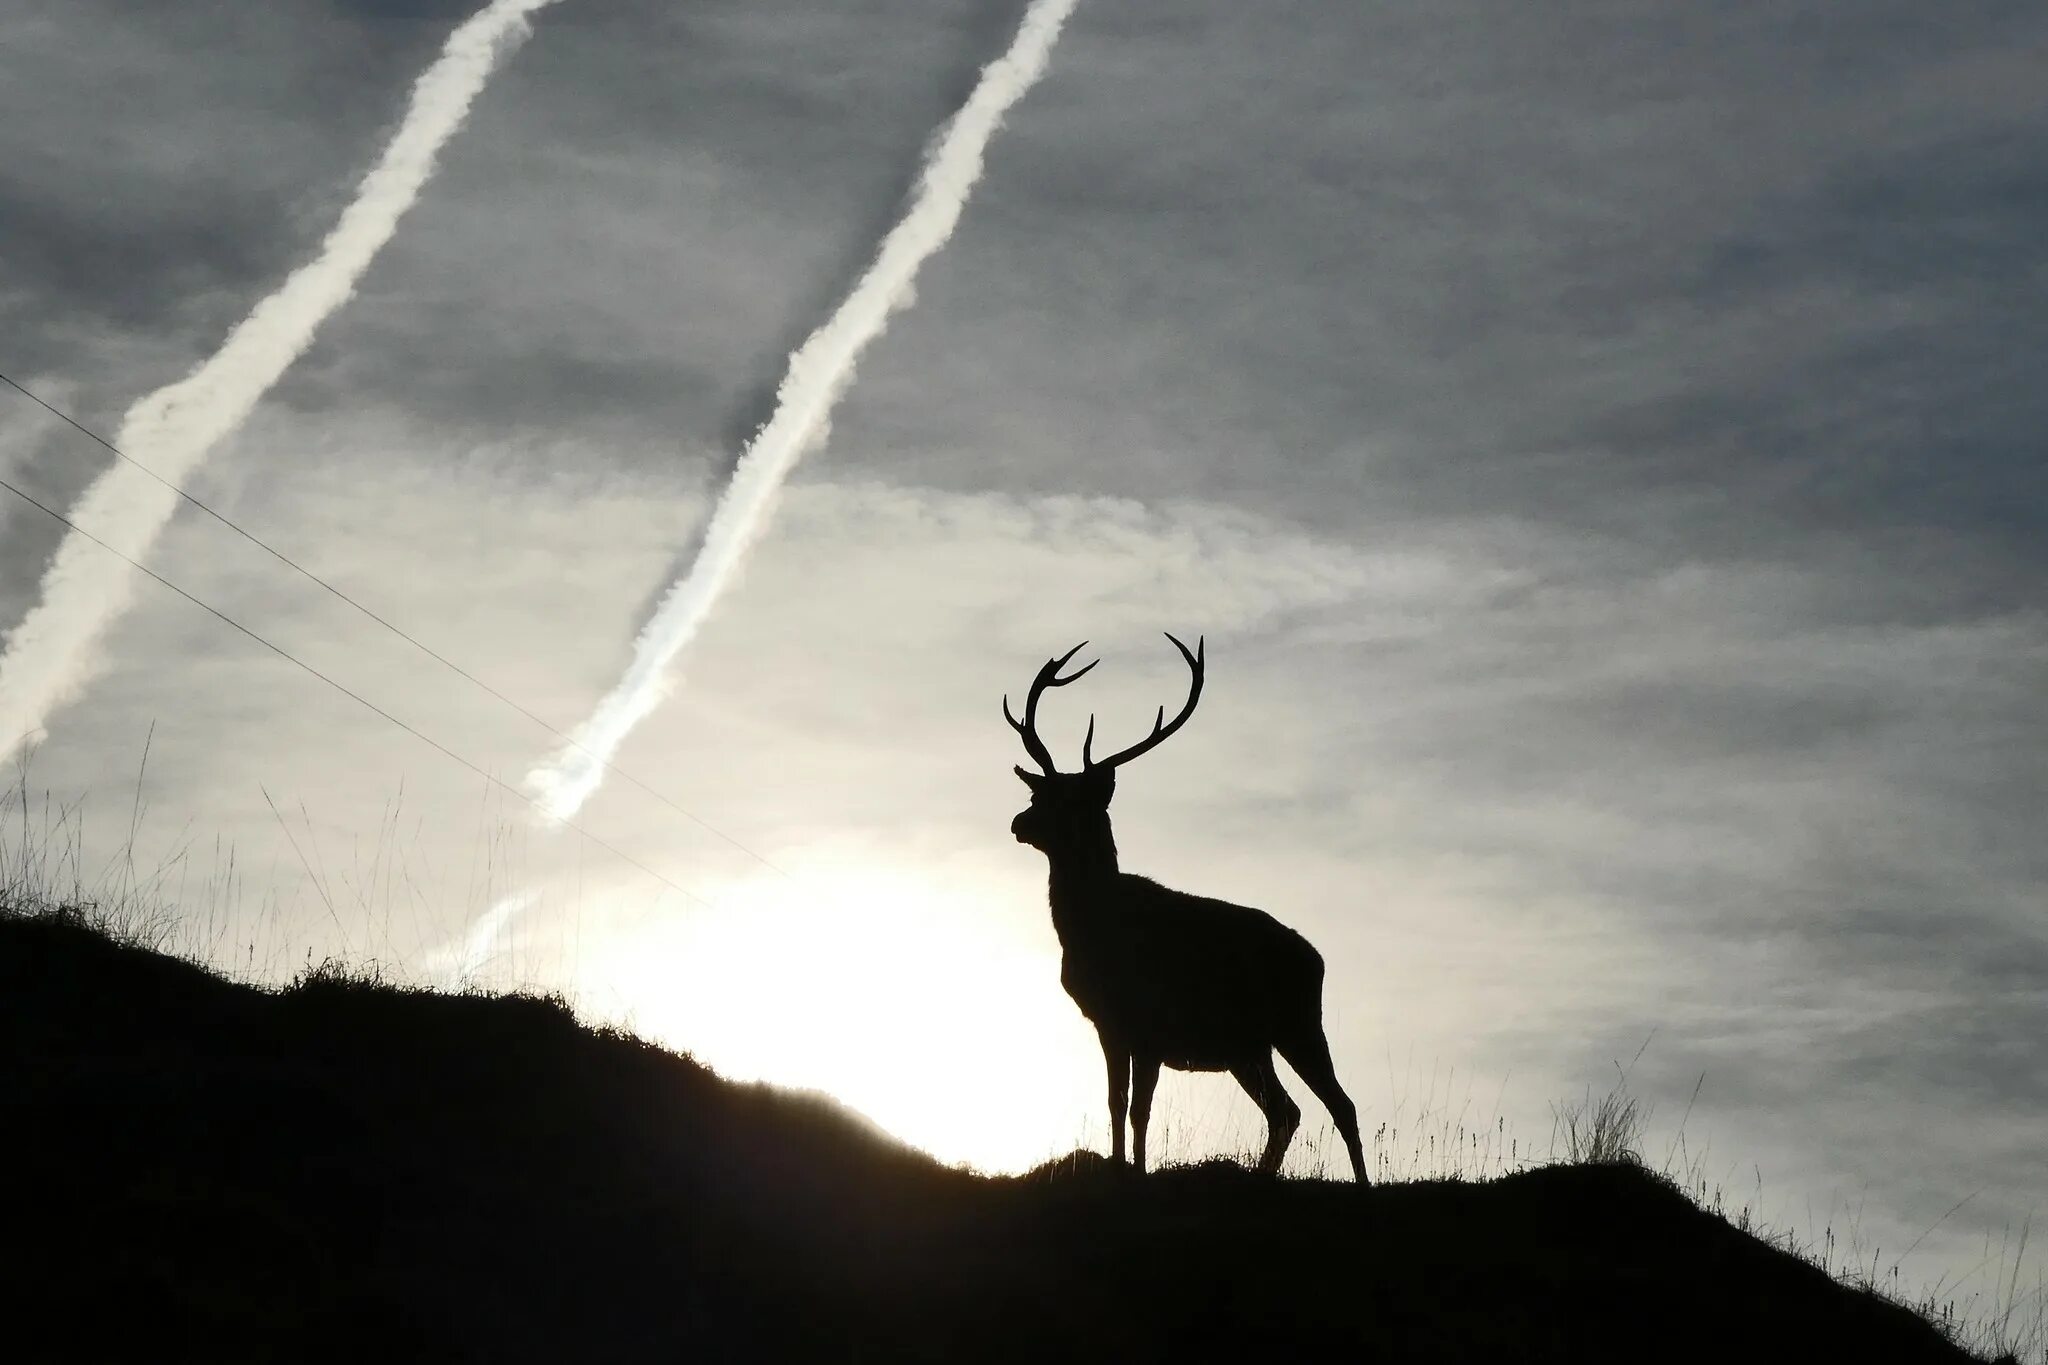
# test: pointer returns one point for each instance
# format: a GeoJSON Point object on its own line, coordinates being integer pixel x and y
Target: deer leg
{"type": "Point", "coordinates": [1119, 1063]}
{"type": "Point", "coordinates": [1283, 1115]}
{"type": "Point", "coordinates": [1310, 1059]}
{"type": "Point", "coordinates": [1144, 1076]}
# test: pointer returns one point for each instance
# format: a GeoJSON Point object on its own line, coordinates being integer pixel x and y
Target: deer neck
{"type": "Point", "coordinates": [1083, 870]}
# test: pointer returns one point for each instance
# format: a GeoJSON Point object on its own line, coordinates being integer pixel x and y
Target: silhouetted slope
{"type": "Point", "coordinates": [341, 1171]}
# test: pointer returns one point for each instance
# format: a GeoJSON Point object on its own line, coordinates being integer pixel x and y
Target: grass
{"type": "Point", "coordinates": [347, 1167]}
{"type": "Point", "coordinates": [1432, 1140]}
{"type": "Point", "coordinates": [2010, 1327]}
{"type": "Point", "coordinates": [1603, 1132]}
{"type": "Point", "coordinates": [187, 1127]}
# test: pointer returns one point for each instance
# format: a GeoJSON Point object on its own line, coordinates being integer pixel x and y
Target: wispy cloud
{"type": "Point", "coordinates": [48, 656]}
{"type": "Point", "coordinates": [818, 375]}
{"type": "Point", "coordinates": [460, 962]}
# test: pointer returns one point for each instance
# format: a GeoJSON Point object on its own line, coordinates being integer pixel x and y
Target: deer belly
{"type": "Point", "coordinates": [1188, 1030]}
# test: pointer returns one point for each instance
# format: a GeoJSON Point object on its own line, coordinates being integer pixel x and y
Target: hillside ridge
{"type": "Point", "coordinates": [346, 1169]}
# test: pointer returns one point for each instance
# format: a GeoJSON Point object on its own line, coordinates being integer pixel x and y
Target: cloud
{"type": "Point", "coordinates": [169, 432]}
{"type": "Point", "coordinates": [820, 372]}
{"type": "Point", "coordinates": [461, 962]}
{"type": "Point", "coordinates": [1532, 795]}
{"type": "Point", "coordinates": [1594, 443]}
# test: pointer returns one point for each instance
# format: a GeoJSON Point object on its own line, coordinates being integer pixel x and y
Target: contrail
{"type": "Point", "coordinates": [46, 658]}
{"type": "Point", "coordinates": [480, 942]}
{"type": "Point", "coordinates": [818, 374]}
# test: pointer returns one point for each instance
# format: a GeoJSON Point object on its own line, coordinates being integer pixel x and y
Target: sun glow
{"type": "Point", "coordinates": [931, 1006]}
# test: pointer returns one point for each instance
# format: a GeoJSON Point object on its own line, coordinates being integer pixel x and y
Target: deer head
{"type": "Point", "coordinates": [1067, 807]}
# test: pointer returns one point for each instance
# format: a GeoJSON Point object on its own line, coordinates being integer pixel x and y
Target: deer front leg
{"type": "Point", "coordinates": [1119, 1063]}
{"type": "Point", "coordinates": [1144, 1076]}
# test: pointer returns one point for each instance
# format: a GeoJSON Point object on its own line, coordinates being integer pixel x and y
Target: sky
{"type": "Point", "coordinates": [1599, 443]}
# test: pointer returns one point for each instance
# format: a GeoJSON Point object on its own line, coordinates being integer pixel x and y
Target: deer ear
{"type": "Point", "coordinates": [1031, 779]}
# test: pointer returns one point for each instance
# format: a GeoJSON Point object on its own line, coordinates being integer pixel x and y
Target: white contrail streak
{"type": "Point", "coordinates": [818, 374]}
{"type": "Point", "coordinates": [47, 656]}
{"type": "Point", "coordinates": [479, 945]}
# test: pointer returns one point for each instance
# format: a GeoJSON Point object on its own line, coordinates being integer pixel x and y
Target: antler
{"type": "Point", "coordinates": [1160, 728]}
{"type": "Point", "coordinates": [1048, 676]}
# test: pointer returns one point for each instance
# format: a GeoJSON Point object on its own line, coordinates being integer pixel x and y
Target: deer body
{"type": "Point", "coordinates": [1168, 978]}
{"type": "Point", "coordinates": [1183, 979]}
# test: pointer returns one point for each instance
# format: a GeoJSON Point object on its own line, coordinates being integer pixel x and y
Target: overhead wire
{"type": "Point", "coordinates": [399, 631]}
{"type": "Point", "coordinates": [354, 696]}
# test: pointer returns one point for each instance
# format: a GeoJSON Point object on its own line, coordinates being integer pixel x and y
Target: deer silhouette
{"type": "Point", "coordinates": [1170, 979]}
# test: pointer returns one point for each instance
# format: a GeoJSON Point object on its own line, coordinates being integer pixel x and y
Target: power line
{"type": "Point", "coordinates": [401, 633]}
{"type": "Point", "coordinates": [356, 697]}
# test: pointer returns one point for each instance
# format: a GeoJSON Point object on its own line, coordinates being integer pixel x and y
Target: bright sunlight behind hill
{"type": "Point", "coordinates": [883, 988]}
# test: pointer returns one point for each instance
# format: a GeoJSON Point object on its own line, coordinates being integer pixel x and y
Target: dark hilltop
{"type": "Point", "coordinates": [344, 1170]}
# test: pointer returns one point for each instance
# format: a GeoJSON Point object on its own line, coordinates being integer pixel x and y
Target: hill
{"type": "Point", "coordinates": [343, 1170]}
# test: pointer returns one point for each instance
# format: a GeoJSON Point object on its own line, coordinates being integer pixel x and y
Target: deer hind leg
{"type": "Point", "coordinates": [1283, 1115]}
{"type": "Point", "coordinates": [1144, 1077]}
{"type": "Point", "coordinates": [1118, 1063]}
{"type": "Point", "coordinates": [1310, 1058]}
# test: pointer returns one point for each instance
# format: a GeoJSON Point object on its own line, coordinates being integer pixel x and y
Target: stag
{"type": "Point", "coordinates": [1167, 978]}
